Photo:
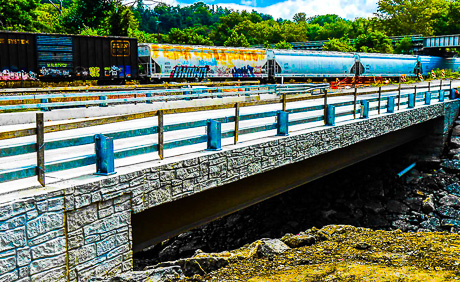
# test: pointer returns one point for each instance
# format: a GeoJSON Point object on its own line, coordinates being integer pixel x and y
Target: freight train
{"type": "Point", "coordinates": [35, 56]}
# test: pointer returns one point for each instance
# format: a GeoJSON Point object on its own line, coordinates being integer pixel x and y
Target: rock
{"type": "Point", "coordinates": [394, 206]}
{"type": "Point", "coordinates": [453, 188]}
{"type": "Point", "coordinates": [453, 152]}
{"type": "Point", "coordinates": [428, 205]}
{"type": "Point", "coordinates": [450, 200]}
{"type": "Point", "coordinates": [455, 142]}
{"type": "Point", "coordinates": [362, 246]}
{"type": "Point", "coordinates": [374, 206]}
{"type": "Point", "coordinates": [447, 211]}
{"type": "Point", "coordinates": [414, 203]}
{"type": "Point", "coordinates": [403, 226]}
{"type": "Point", "coordinates": [431, 224]}
{"type": "Point", "coordinates": [201, 263]}
{"type": "Point", "coordinates": [269, 247]}
{"type": "Point", "coordinates": [296, 241]}
{"type": "Point", "coordinates": [448, 222]}
{"type": "Point", "coordinates": [451, 164]}
{"type": "Point", "coordinates": [170, 273]}
{"type": "Point", "coordinates": [456, 130]}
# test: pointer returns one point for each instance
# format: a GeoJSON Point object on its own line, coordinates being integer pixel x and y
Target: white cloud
{"type": "Point", "coordinates": [348, 9]}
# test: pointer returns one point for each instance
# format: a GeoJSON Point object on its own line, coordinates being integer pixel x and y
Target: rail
{"type": "Point", "coordinates": [62, 100]}
{"type": "Point", "coordinates": [323, 111]}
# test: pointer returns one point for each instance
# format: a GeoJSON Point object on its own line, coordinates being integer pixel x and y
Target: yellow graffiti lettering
{"type": "Point", "coordinates": [94, 71]}
{"type": "Point", "coordinates": [18, 41]}
{"type": "Point", "coordinates": [2, 40]}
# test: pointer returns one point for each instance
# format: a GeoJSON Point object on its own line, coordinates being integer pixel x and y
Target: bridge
{"type": "Point", "coordinates": [113, 185]}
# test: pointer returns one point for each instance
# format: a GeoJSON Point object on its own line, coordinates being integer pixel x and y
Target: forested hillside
{"type": "Point", "coordinates": [213, 25]}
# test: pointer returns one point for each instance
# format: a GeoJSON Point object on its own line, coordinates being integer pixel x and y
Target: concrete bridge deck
{"type": "Point", "coordinates": [84, 225]}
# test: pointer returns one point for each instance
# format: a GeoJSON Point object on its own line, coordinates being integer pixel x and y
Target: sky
{"type": "Point", "coordinates": [348, 9]}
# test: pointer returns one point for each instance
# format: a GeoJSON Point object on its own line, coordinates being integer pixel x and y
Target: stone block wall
{"type": "Point", "coordinates": [75, 233]}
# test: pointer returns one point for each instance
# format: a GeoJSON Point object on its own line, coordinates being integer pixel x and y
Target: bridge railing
{"type": "Point", "coordinates": [65, 100]}
{"type": "Point", "coordinates": [322, 110]}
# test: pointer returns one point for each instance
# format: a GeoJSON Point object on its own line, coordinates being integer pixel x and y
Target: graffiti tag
{"type": "Point", "coordinates": [188, 71]}
{"type": "Point", "coordinates": [247, 71]}
{"type": "Point", "coordinates": [20, 75]}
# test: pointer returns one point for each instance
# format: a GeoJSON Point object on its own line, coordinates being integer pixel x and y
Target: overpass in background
{"type": "Point", "coordinates": [176, 168]}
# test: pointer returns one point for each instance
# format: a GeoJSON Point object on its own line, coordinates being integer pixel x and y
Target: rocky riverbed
{"type": "Point", "coordinates": [420, 213]}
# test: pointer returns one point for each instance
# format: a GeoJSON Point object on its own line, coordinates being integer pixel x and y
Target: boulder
{"type": "Point", "coordinates": [455, 142]}
{"type": "Point", "coordinates": [450, 212]}
{"type": "Point", "coordinates": [296, 241]}
{"type": "Point", "coordinates": [453, 188]}
{"type": "Point", "coordinates": [452, 165]}
{"type": "Point", "coordinates": [431, 224]}
{"type": "Point", "coordinates": [456, 130]}
{"type": "Point", "coordinates": [428, 205]}
{"type": "Point", "coordinates": [159, 274]}
{"type": "Point", "coordinates": [450, 200]}
{"type": "Point", "coordinates": [269, 247]}
{"type": "Point", "coordinates": [394, 206]}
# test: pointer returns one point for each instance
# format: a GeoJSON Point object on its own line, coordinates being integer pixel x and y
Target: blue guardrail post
{"type": "Point", "coordinates": [149, 95]}
{"type": "Point", "coordinates": [441, 95]}
{"type": "Point", "coordinates": [44, 101]}
{"type": "Point", "coordinates": [391, 104]}
{"type": "Point", "coordinates": [427, 98]}
{"type": "Point", "coordinates": [282, 124]}
{"type": "Point", "coordinates": [364, 109]}
{"type": "Point", "coordinates": [452, 94]}
{"type": "Point", "coordinates": [103, 98]}
{"type": "Point", "coordinates": [330, 115]}
{"type": "Point", "coordinates": [105, 162]}
{"type": "Point", "coordinates": [214, 130]}
{"type": "Point", "coordinates": [411, 101]}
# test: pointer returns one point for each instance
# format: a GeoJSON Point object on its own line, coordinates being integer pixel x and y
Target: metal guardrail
{"type": "Point", "coordinates": [105, 154]}
{"type": "Point", "coordinates": [25, 102]}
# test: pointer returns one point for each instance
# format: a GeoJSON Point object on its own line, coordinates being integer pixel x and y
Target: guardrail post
{"type": "Point", "coordinates": [391, 104]}
{"type": "Point", "coordinates": [399, 95]}
{"type": "Point", "coordinates": [237, 122]}
{"type": "Point", "coordinates": [160, 134]}
{"type": "Point", "coordinates": [330, 116]}
{"type": "Point", "coordinates": [282, 123]}
{"type": "Point", "coordinates": [103, 98]}
{"type": "Point", "coordinates": [284, 101]}
{"type": "Point", "coordinates": [247, 91]}
{"type": "Point", "coordinates": [427, 98]}
{"type": "Point", "coordinates": [411, 101]}
{"type": "Point", "coordinates": [364, 109]}
{"type": "Point", "coordinates": [44, 101]}
{"type": "Point", "coordinates": [105, 161]}
{"type": "Point", "coordinates": [149, 95]}
{"type": "Point", "coordinates": [354, 102]}
{"type": "Point", "coordinates": [441, 95]}
{"type": "Point", "coordinates": [325, 106]}
{"type": "Point", "coordinates": [452, 94]}
{"type": "Point", "coordinates": [40, 148]}
{"type": "Point", "coordinates": [214, 130]}
{"type": "Point", "coordinates": [380, 98]}
{"type": "Point", "coordinates": [220, 91]}
{"type": "Point", "coordinates": [429, 85]}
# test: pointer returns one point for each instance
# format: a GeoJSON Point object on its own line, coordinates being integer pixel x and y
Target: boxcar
{"type": "Point", "coordinates": [170, 62]}
{"type": "Point", "coordinates": [388, 65]}
{"type": "Point", "coordinates": [30, 56]}
{"type": "Point", "coordinates": [290, 63]}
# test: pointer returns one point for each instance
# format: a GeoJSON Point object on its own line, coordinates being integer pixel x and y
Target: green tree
{"type": "Point", "coordinates": [49, 18]}
{"type": "Point", "coordinates": [85, 14]}
{"type": "Point", "coordinates": [19, 15]}
{"type": "Point", "coordinates": [324, 19]}
{"type": "Point", "coordinates": [340, 45]}
{"type": "Point", "coordinates": [283, 45]}
{"type": "Point", "coordinates": [404, 46]}
{"type": "Point", "coordinates": [300, 17]}
{"type": "Point", "coordinates": [187, 36]}
{"type": "Point", "coordinates": [373, 42]}
{"type": "Point", "coordinates": [236, 40]}
{"type": "Point", "coordinates": [404, 17]}
{"type": "Point", "coordinates": [120, 21]}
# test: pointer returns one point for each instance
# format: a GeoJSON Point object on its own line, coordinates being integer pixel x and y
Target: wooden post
{"type": "Point", "coordinates": [237, 122]}
{"type": "Point", "coordinates": [325, 106]}
{"type": "Point", "coordinates": [429, 86]}
{"type": "Point", "coordinates": [284, 102]}
{"type": "Point", "coordinates": [380, 98]}
{"type": "Point", "coordinates": [354, 103]}
{"type": "Point", "coordinates": [160, 134]}
{"type": "Point", "coordinates": [450, 86]}
{"type": "Point", "coordinates": [440, 85]}
{"type": "Point", "coordinates": [415, 94]}
{"type": "Point", "coordinates": [399, 95]}
{"type": "Point", "coordinates": [40, 148]}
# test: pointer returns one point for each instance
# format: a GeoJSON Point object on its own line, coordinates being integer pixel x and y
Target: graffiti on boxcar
{"type": "Point", "coordinates": [246, 71]}
{"type": "Point", "coordinates": [54, 72]}
{"type": "Point", "coordinates": [18, 75]}
{"type": "Point", "coordinates": [189, 71]}
{"type": "Point", "coordinates": [94, 71]}
{"type": "Point", "coordinates": [81, 72]}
